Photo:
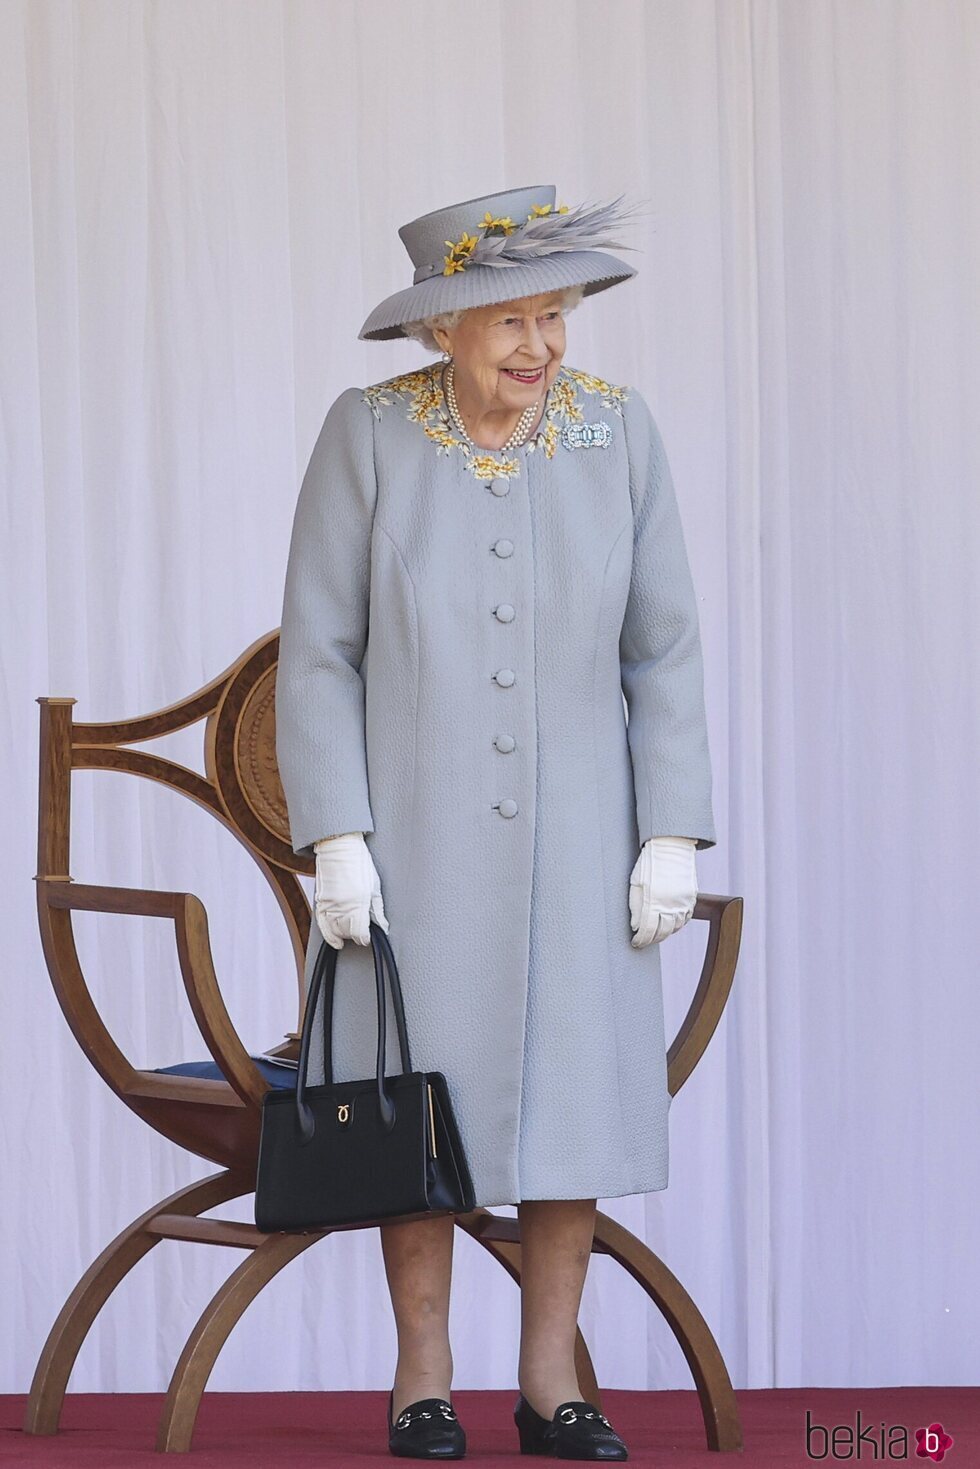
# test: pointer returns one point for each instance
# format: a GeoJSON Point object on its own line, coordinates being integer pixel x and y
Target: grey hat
{"type": "Point", "coordinates": [498, 248]}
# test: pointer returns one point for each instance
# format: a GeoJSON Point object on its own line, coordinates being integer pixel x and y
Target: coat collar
{"type": "Point", "coordinates": [565, 409]}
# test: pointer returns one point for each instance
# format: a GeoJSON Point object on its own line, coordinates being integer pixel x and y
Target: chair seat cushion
{"type": "Point", "coordinates": [283, 1077]}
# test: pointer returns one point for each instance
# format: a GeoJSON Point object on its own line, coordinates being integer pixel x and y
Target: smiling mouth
{"type": "Point", "coordinates": [524, 377]}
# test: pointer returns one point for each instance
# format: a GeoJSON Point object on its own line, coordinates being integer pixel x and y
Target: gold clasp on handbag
{"type": "Point", "coordinates": [432, 1120]}
{"type": "Point", "coordinates": [343, 1111]}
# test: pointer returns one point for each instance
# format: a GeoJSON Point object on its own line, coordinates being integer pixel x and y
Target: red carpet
{"type": "Point", "coordinates": [329, 1430]}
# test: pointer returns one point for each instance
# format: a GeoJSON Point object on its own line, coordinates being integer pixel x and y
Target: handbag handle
{"type": "Point", "coordinates": [324, 972]}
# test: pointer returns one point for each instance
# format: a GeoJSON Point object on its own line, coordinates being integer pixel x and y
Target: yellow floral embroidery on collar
{"type": "Point", "coordinates": [426, 406]}
{"type": "Point", "coordinates": [565, 407]}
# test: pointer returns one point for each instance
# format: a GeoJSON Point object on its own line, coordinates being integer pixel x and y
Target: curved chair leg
{"type": "Point", "coordinates": [212, 1330]}
{"type": "Point", "coordinates": [96, 1286]}
{"type": "Point", "coordinates": [719, 1407]}
{"type": "Point", "coordinates": [508, 1254]}
{"type": "Point", "coordinates": [500, 1235]}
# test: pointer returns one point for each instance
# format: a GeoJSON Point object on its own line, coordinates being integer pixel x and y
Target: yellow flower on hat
{"type": "Point", "coordinates": [459, 251]}
{"type": "Point", "coordinates": [538, 211]}
{"type": "Point", "coordinates": [488, 222]}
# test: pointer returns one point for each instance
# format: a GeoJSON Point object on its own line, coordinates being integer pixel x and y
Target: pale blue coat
{"type": "Point", "coordinates": [458, 631]}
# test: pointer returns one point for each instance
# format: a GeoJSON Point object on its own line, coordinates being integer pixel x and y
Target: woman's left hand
{"type": "Point", "coordinates": [663, 889]}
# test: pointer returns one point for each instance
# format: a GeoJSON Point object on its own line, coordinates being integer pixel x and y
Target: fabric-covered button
{"type": "Point", "coordinates": [500, 487]}
{"type": "Point", "coordinates": [504, 612]}
{"type": "Point", "coordinates": [504, 743]}
{"type": "Point", "coordinates": [505, 677]}
{"type": "Point", "coordinates": [503, 547]}
{"type": "Point", "coordinates": [508, 807]}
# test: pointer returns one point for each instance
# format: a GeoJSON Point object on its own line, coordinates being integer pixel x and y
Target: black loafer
{"type": "Point", "coordinates": [428, 1429]}
{"type": "Point", "coordinates": [577, 1431]}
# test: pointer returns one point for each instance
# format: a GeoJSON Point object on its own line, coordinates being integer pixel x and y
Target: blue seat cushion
{"type": "Point", "coordinates": [278, 1076]}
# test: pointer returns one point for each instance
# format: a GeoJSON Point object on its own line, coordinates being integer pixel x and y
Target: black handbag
{"type": "Point", "coordinates": [357, 1151]}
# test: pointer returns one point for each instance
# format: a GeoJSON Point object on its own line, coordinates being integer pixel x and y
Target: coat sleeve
{"type": "Point", "coordinates": [660, 651]}
{"type": "Point", "coordinates": [320, 737]}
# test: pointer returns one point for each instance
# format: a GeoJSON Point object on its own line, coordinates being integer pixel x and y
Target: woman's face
{"type": "Point", "coordinates": [527, 335]}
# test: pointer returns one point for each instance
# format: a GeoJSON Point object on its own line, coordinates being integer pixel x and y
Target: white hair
{"type": "Point", "coordinates": [422, 330]}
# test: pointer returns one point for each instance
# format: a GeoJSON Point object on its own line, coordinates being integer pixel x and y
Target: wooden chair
{"type": "Point", "coordinates": [219, 1119]}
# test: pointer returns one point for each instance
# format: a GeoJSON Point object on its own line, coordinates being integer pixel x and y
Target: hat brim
{"type": "Point", "coordinates": [486, 285]}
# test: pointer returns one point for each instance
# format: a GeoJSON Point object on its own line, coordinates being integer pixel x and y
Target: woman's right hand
{"type": "Point", "coordinates": [347, 894]}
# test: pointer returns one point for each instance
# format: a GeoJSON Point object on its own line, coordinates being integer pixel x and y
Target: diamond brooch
{"type": "Point", "coordinates": [597, 435]}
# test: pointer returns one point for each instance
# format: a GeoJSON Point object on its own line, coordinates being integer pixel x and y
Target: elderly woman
{"type": "Point", "coordinates": [486, 557]}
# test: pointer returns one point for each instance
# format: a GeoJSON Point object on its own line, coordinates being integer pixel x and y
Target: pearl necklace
{"type": "Point", "coordinates": [517, 437]}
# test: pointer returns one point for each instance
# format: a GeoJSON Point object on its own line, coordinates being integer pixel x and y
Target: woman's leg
{"type": "Point", "coordinates": [556, 1244]}
{"type": "Point", "coordinates": [418, 1260]}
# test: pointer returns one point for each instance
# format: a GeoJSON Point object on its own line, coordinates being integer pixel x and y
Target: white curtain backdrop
{"type": "Point", "coordinates": [200, 205]}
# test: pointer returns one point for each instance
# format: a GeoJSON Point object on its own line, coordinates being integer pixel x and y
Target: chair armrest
{"type": "Point", "coordinates": [56, 899]}
{"type": "Point", "coordinates": [724, 918]}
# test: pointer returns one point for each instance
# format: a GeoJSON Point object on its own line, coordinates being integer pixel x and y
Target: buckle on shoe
{"type": "Point", "coordinates": [406, 1418]}
{"type": "Point", "coordinates": [565, 1418]}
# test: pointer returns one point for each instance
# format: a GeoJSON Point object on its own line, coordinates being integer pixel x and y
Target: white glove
{"type": "Point", "coordinates": [663, 889]}
{"type": "Point", "coordinates": [347, 893]}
